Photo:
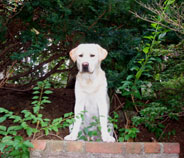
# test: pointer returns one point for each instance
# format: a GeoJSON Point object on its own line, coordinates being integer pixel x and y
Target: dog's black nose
{"type": "Point", "coordinates": [85, 67]}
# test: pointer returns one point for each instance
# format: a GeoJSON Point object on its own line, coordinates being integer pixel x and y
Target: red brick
{"type": "Point", "coordinates": [74, 146]}
{"type": "Point", "coordinates": [56, 146]}
{"type": "Point", "coordinates": [39, 144]}
{"type": "Point", "coordinates": [133, 148]}
{"type": "Point", "coordinates": [152, 148]}
{"type": "Point", "coordinates": [171, 148]}
{"type": "Point", "coordinates": [98, 147]}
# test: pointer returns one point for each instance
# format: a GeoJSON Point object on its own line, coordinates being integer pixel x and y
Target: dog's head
{"type": "Point", "coordinates": [88, 57]}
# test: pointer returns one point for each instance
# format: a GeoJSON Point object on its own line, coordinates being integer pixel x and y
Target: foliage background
{"type": "Point", "coordinates": [36, 36]}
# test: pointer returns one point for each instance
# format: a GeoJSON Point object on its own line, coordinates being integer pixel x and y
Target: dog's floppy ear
{"type": "Point", "coordinates": [102, 53]}
{"type": "Point", "coordinates": [73, 54]}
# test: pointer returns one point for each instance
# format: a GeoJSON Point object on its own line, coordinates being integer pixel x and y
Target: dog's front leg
{"type": "Point", "coordinates": [79, 108]}
{"type": "Point", "coordinates": [103, 111]}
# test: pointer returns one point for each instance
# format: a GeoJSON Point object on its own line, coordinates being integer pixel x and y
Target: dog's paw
{"type": "Point", "coordinates": [108, 138]}
{"type": "Point", "coordinates": [70, 137]}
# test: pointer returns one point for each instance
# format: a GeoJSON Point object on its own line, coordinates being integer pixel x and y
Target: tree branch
{"type": "Point", "coordinates": [3, 52]}
{"type": "Point", "coordinates": [97, 20]}
{"type": "Point", "coordinates": [54, 70]}
{"type": "Point", "coordinates": [54, 57]}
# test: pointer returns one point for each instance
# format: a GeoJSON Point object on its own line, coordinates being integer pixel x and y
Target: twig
{"type": "Point", "coordinates": [15, 14]}
{"type": "Point", "coordinates": [97, 20]}
{"type": "Point", "coordinates": [119, 27]}
{"type": "Point", "coordinates": [70, 5]}
{"type": "Point", "coordinates": [120, 103]}
{"type": "Point", "coordinates": [120, 106]}
{"type": "Point", "coordinates": [8, 74]}
{"type": "Point", "coordinates": [164, 120]}
{"type": "Point", "coordinates": [163, 131]}
{"type": "Point", "coordinates": [37, 124]}
{"type": "Point", "coordinates": [117, 98]}
{"type": "Point", "coordinates": [116, 137]}
{"type": "Point", "coordinates": [18, 90]}
{"type": "Point", "coordinates": [173, 22]}
{"type": "Point", "coordinates": [133, 100]}
{"type": "Point", "coordinates": [127, 120]}
{"type": "Point", "coordinates": [48, 135]}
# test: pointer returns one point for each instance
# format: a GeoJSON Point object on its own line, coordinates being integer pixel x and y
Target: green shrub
{"type": "Point", "coordinates": [31, 122]}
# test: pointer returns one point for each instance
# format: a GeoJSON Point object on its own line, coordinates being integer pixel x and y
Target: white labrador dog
{"type": "Point", "coordinates": [90, 89]}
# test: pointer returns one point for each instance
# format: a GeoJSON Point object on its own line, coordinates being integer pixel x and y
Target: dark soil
{"type": "Point", "coordinates": [63, 101]}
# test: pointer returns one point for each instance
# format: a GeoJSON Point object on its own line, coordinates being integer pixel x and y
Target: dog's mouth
{"type": "Point", "coordinates": [85, 68]}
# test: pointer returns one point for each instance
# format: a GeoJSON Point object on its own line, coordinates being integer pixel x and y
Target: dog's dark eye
{"type": "Point", "coordinates": [81, 55]}
{"type": "Point", "coordinates": [92, 55]}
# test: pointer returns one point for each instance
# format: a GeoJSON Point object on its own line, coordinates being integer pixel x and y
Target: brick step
{"type": "Point", "coordinates": [79, 149]}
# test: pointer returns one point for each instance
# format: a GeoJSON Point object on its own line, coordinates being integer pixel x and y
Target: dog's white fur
{"type": "Point", "coordinates": [90, 90]}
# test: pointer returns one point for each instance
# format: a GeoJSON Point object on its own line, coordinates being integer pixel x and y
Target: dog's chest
{"type": "Point", "coordinates": [89, 86]}
{"type": "Point", "coordinates": [91, 105]}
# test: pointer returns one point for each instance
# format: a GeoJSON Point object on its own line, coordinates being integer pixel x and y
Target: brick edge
{"type": "Point", "coordinates": [106, 148]}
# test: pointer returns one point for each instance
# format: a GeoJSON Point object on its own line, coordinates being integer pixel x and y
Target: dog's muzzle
{"type": "Point", "coordinates": [85, 67]}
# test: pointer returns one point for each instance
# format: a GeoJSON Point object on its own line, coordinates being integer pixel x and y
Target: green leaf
{"type": "Point", "coordinates": [3, 133]}
{"type": "Point", "coordinates": [127, 93]}
{"type": "Point", "coordinates": [46, 132]}
{"type": "Point", "coordinates": [2, 146]}
{"type": "Point", "coordinates": [17, 119]}
{"type": "Point", "coordinates": [24, 125]}
{"type": "Point", "coordinates": [121, 139]}
{"type": "Point", "coordinates": [126, 84]}
{"type": "Point", "coordinates": [11, 128]}
{"type": "Point", "coordinates": [47, 120]}
{"type": "Point", "coordinates": [36, 88]}
{"type": "Point", "coordinates": [26, 113]}
{"type": "Point", "coordinates": [129, 77]}
{"type": "Point", "coordinates": [40, 83]}
{"type": "Point", "coordinates": [36, 92]}
{"type": "Point", "coordinates": [86, 131]}
{"type": "Point", "coordinates": [146, 50]}
{"type": "Point", "coordinates": [55, 128]}
{"type": "Point", "coordinates": [169, 2]}
{"type": "Point", "coordinates": [2, 119]}
{"type": "Point", "coordinates": [48, 92]}
{"type": "Point", "coordinates": [15, 153]}
{"type": "Point", "coordinates": [6, 138]}
{"type": "Point", "coordinates": [148, 67]}
{"type": "Point", "coordinates": [148, 37]}
{"type": "Point", "coordinates": [45, 101]}
{"type": "Point", "coordinates": [34, 102]}
{"type": "Point", "coordinates": [134, 68]}
{"type": "Point", "coordinates": [127, 137]}
{"type": "Point", "coordinates": [68, 114]}
{"type": "Point", "coordinates": [44, 124]}
{"type": "Point", "coordinates": [154, 25]}
{"type": "Point", "coordinates": [12, 133]}
{"type": "Point", "coordinates": [28, 144]}
{"type": "Point", "coordinates": [45, 97]}
{"type": "Point", "coordinates": [29, 131]}
{"type": "Point", "coordinates": [3, 128]}
{"type": "Point", "coordinates": [35, 97]}
{"type": "Point", "coordinates": [18, 138]}
{"type": "Point", "coordinates": [36, 109]}
{"type": "Point", "coordinates": [83, 138]}
{"type": "Point", "coordinates": [3, 110]}
{"type": "Point", "coordinates": [40, 115]}
{"type": "Point", "coordinates": [57, 120]}
{"type": "Point", "coordinates": [139, 73]}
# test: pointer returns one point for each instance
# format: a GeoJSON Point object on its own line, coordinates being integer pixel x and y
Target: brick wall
{"type": "Point", "coordinates": [78, 149]}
